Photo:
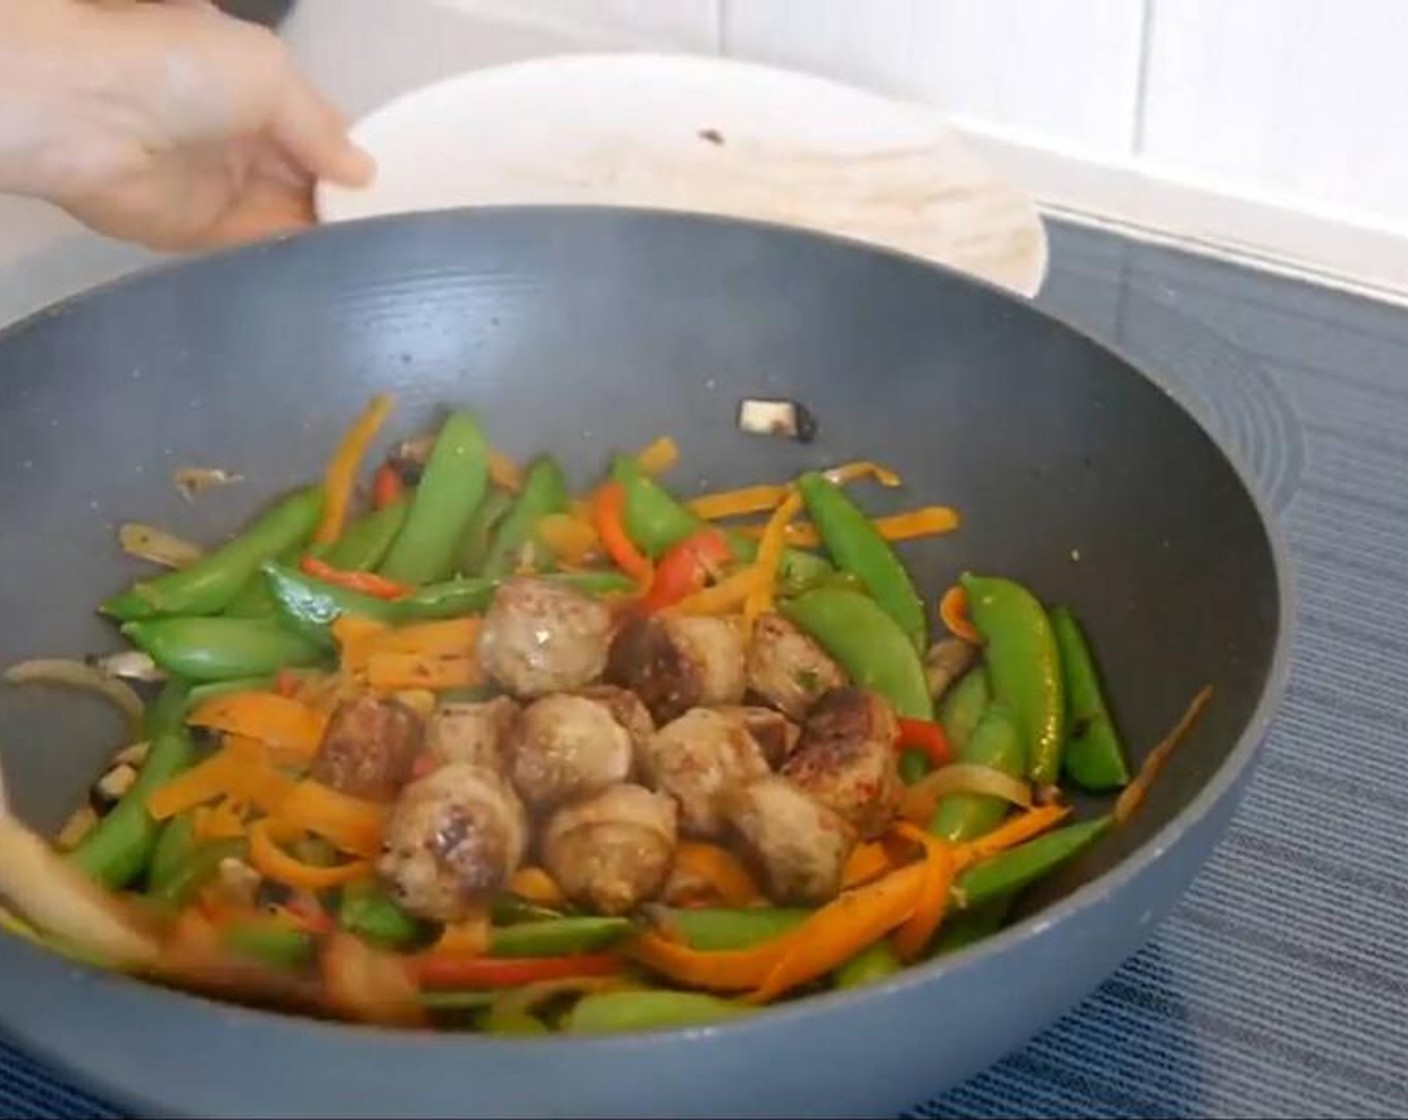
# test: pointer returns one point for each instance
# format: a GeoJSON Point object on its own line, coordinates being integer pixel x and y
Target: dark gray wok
{"type": "Point", "coordinates": [584, 331]}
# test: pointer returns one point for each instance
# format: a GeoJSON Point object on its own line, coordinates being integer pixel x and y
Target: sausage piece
{"type": "Point", "coordinates": [567, 746]}
{"type": "Point", "coordinates": [612, 851]}
{"type": "Point", "coordinates": [698, 759]}
{"type": "Point", "coordinates": [540, 637]}
{"type": "Point", "coordinates": [369, 748]}
{"type": "Point", "coordinates": [452, 839]}
{"type": "Point", "coordinates": [798, 846]}
{"type": "Point", "coordinates": [846, 759]}
{"type": "Point", "coordinates": [774, 733]}
{"type": "Point", "coordinates": [477, 733]}
{"type": "Point", "coordinates": [626, 709]}
{"type": "Point", "coordinates": [787, 669]}
{"type": "Point", "coordinates": [679, 662]}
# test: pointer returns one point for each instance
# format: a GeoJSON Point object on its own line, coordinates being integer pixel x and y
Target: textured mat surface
{"type": "Point", "coordinates": [1277, 987]}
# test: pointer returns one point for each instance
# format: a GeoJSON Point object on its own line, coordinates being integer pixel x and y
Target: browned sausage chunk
{"type": "Point", "coordinates": [846, 759]}
{"type": "Point", "coordinates": [369, 748]}
{"type": "Point", "coordinates": [771, 730]}
{"type": "Point", "coordinates": [679, 662]}
{"type": "Point", "coordinates": [787, 669]}
{"type": "Point", "coordinates": [698, 759]}
{"type": "Point", "coordinates": [567, 746]}
{"type": "Point", "coordinates": [540, 637]}
{"type": "Point", "coordinates": [627, 710]}
{"type": "Point", "coordinates": [474, 733]}
{"type": "Point", "coordinates": [613, 850]}
{"type": "Point", "coordinates": [798, 846]}
{"type": "Point", "coordinates": [453, 838]}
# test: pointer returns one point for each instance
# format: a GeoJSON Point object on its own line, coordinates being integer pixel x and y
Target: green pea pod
{"type": "Point", "coordinates": [197, 869]}
{"type": "Point", "coordinates": [480, 535]}
{"type": "Point", "coordinates": [209, 584]}
{"type": "Point", "coordinates": [365, 542]}
{"type": "Point", "coordinates": [214, 649]}
{"type": "Point", "coordinates": [1023, 665]}
{"type": "Point", "coordinates": [272, 943]}
{"type": "Point", "coordinates": [451, 487]}
{"type": "Point", "coordinates": [869, 966]}
{"type": "Point", "coordinates": [368, 911]}
{"type": "Point", "coordinates": [856, 546]}
{"type": "Point", "coordinates": [1093, 758]}
{"type": "Point", "coordinates": [968, 927]}
{"type": "Point", "coordinates": [557, 937]}
{"type": "Point", "coordinates": [963, 706]}
{"type": "Point", "coordinates": [478, 1000]}
{"type": "Point", "coordinates": [173, 846]}
{"type": "Point", "coordinates": [996, 743]}
{"type": "Point", "coordinates": [310, 606]}
{"type": "Point", "coordinates": [544, 492]}
{"type": "Point", "coordinates": [655, 520]}
{"type": "Point", "coordinates": [255, 599]}
{"type": "Point", "coordinates": [116, 850]}
{"type": "Point", "coordinates": [457, 598]}
{"type": "Point", "coordinates": [1008, 872]}
{"type": "Point", "coordinates": [914, 764]}
{"type": "Point", "coordinates": [512, 1022]}
{"type": "Point", "coordinates": [510, 910]}
{"type": "Point", "coordinates": [712, 929]}
{"type": "Point", "coordinates": [867, 643]}
{"type": "Point", "coordinates": [606, 1012]}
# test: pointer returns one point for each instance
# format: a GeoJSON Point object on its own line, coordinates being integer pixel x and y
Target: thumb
{"type": "Point", "coordinates": [312, 132]}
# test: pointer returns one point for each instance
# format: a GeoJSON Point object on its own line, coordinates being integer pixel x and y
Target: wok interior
{"type": "Point", "coordinates": [582, 332]}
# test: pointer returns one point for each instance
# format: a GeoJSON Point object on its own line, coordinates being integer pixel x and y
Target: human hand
{"type": "Point", "coordinates": [169, 124]}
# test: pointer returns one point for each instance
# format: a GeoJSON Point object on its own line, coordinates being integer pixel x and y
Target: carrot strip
{"type": "Point", "coordinates": [504, 472]}
{"type": "Point", "coordinates": [913, 937]}
{"type": "Point", "coordinates": [1134, 793]}
{"type": "Point", "coordinates": [841, 929]}
{"type": "Point", "coordinates": [727, 970]}
{"type": "Point", "coordinates": [760, 599]}
{"type": "Point", "coordinates": [273, 862]}
{"type": "Point", "coordinates": [341, 474]}
{"type": "Point", "coordinates": [1013, 831]}
{"type": "Point", "coordinates": [953, 613]}
{"type": "Point", "coordinates": [725, 879]}
{"type": "Point", "coordinates": [351, 824]}
{"type": "Point", "coordinates": [658, 456]}
{"type": "Point", "coordinates": [279, 721]}
{"type": "Point", "coordinates": [453, 637]}
{"type": "Point", "coordinates": [393, 671]}
{"type": "Point", "coordinates": [867, 861]}
{"type": "Point", "coordinates": [536, 885]}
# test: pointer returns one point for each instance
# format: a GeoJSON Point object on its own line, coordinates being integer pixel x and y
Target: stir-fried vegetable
{"type": "Point", "coordinates": [490, 752]}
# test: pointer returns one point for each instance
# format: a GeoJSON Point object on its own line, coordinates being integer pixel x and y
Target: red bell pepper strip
{"type": "Point", "coordinates": [368, 583]}
{"type": "Point", "coordinates": [387, 486]}
{"type": "Point", "coordinates": [923, 735]}
{"type": "Point", "coordinates": [452, 970]}
{"type": "Point", "coordinates": [685, 568]}
{"type": "Point", "coordinates": [609, 520]}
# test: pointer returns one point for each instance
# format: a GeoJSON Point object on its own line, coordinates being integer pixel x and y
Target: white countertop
{"type": "Point", "coordinates": [360, 52]}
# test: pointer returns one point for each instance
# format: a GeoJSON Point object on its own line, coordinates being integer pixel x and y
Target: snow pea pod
{"type": "Point", "coordinates": [557, 937]}
{"type": "Point", "coordinates": [1023, 665]}
{"type": "Point", "coordinates": [1010, 871]}
{"type": "Point", "coordinates": [869, 966]}
{"type": "Point", "coordinates": [603, 1012]}
{"type": "Point", "coordinates": [310, 606]}
{"type": "Point", "coordinates": [451, 487]}
{"type": "Point", "coordinates": [1094, 758]}
{"type": "Point", "coordinates": [209, 584]}
{"type": "Point", "coordinates": [712, 929]}
{"type": "Point", "coordinates": [480, 535]}
{"type": "Point", "coordinates": [968, 927]}
{"type": "Point", "coordinates": [364, 543]}
{"type": "Point", "coordinates": [963, 706]}
{"type": "Point", "coordinates": [173, 846]}
{"type": "Point", "coordinates": [544, 492]}
{"type": "Point", "coordinates": [856, 546]}
{"type": "Point", "coordinates": [272, 943]}
{"type": "Point", "coordinates": [255, 599]}
{"type": "Point", "coordinates": [116, 850]}
{"type": "Point", "coordinates": [472, 595]}
{"type": "Point", "coordinates": [368, 911]}
{"type": "Point", "coordinates": [867, 643]}
{"type": "Point", "coordinates": [198, 868]}
{"type": "Point", "coordinates": [213, 649]}
{"type": "Point", "coordinates": [997, 743]}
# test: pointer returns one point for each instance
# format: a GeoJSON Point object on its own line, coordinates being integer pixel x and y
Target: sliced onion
{"type": "Point", "coordinates": [192, 480]}
{"type": "Point", "coordinates": [79, 674]}
{"type": "Point", "coordinates": [962, 777]}
{"type": "Point", "coordinates": [129, 665]}
{"type": "Point", "coordinates": [147, 542]}
{"type": "Point", "coordinates": [61, 901]}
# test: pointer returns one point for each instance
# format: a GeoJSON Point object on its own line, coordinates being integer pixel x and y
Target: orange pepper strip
{"type": "Point", "coordinates": [658, 456]}
{"type": "Point", "coordinates": [273, 862]}
{"type": "Point", "coordinates": [722, 598]}
{"type": "Point", "coordinates": [467, 937]}
{"type": "Point", "coordinates": [341, 474]}
{"type": "Point", "coordinates": [867, 861]}
{"type": "Point", "coordinates": [571, 539]}
{"type": "Point", "coordinates": [280, 721]}
{"type": "Point", "coordinates": [354, 637]}
{"type": "Point", "coordinates": [864, 468]}
{"type": "Point", "coordinates": [1013, 831]}
{"type": "Point", "coordinates": [391, 672]}
{"type": "Point", "coordinates": [727, 970]}
{"type": "Point", "coordinates": [953, 613]}
{"type": "Point", "coordinates": [927, 521]}
{"type": "Point", "coordinates": [1133, 795]}
{"type": "Point", "coordinates": [760, 599]}
{"type": "Point", "coordinates": [453, 637]}
{"type": "Point", "coordinates": [536, 885]}
{"type": "Point", "coordinates": [350, 823]}
{"type": "Point", "coordinates": [718, 868]}
{"type": "Point", "coordinates": [733, 503]}
{"type": "Point", "coordinates": [608, 515]}
{"type": "Point", "coordinates": [505, 472]}
{"type": "Point", "coordinates": [220, 821]}
{"type": "Point", "coordinates": [913, 937]}
{"type": "Point", "coordinates": [205, 781]}
{"type": "Point", "coordinates": [841, 929]}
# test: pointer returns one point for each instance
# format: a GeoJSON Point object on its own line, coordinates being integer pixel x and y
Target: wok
{"type": "Point", "coordinates": [583, 331]}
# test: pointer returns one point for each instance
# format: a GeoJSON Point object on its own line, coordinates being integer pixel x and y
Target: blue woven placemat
{"type": "Point", "coordinates": [1279, 984]}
